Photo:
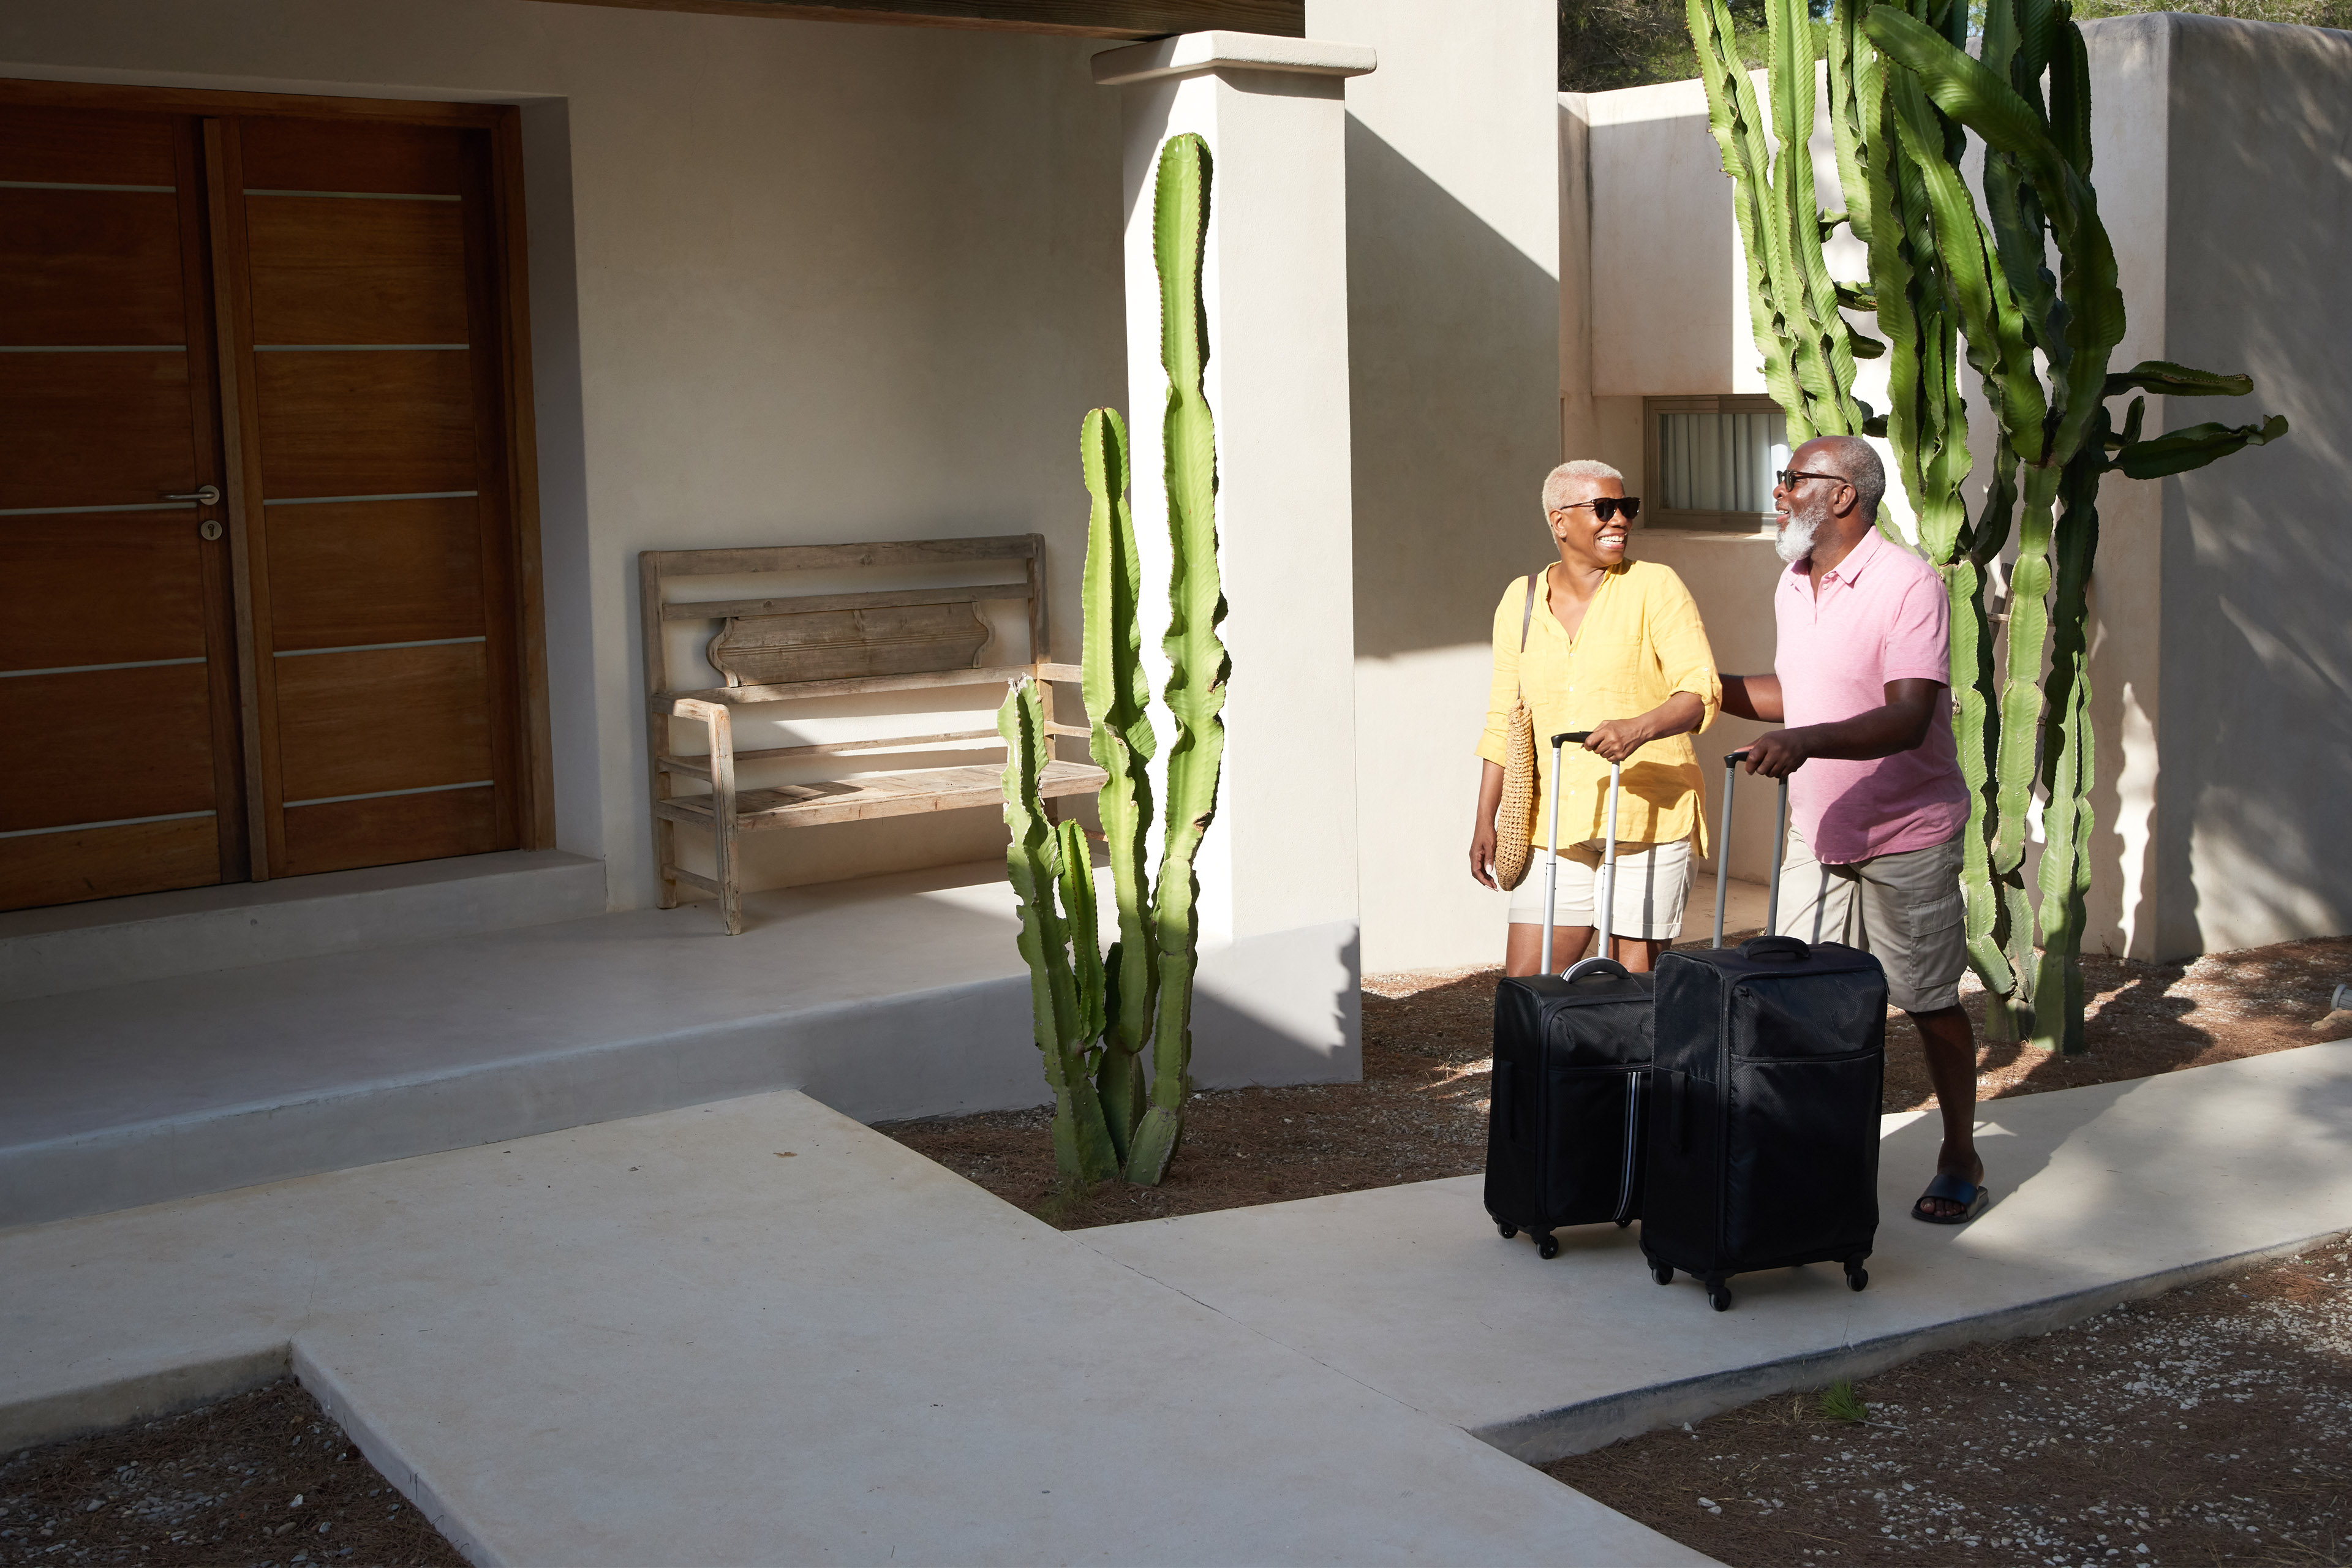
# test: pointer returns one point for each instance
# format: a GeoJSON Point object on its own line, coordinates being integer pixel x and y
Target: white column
{"type": "Point", "coordinates": [1278, 878]}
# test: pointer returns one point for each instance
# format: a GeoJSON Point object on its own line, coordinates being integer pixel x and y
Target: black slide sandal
{"type": "Point", "coordinates": [1973, 1198]}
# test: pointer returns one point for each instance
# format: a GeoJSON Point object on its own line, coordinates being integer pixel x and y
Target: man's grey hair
{"type": "Point", "coordinates": [1555, 489]}
{"type": "Point", "coordinates": [1863, 469]}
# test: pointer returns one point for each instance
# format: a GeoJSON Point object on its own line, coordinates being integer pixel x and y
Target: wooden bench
{"type": "Point", "coordinates": [795, 647]}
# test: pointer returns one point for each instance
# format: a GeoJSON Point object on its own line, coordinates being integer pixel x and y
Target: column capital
{"type": "Point", "coordinates": [1197, 54]}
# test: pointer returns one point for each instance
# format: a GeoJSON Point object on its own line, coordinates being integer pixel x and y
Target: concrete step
{"type": "Point", "coordinates": [194, 931]}
{"type": "Point", "coordinates": [889, 996]}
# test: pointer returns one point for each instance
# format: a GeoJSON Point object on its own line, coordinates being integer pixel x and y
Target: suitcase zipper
{"type": "Point", "coordinates": [1632, 1134]}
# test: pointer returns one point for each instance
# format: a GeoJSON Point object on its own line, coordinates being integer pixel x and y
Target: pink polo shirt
{"type": "Point", "coordinates": [1881, 616]}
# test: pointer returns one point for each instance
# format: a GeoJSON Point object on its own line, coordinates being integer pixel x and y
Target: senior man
{"type": "Point", "coordinates": [1876, 802]}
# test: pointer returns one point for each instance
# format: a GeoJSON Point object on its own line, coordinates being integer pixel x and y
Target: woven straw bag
{"type": "Point", "coordinates": [1515, 819]}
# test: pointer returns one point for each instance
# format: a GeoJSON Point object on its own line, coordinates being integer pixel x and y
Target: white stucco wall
{"type": "Point", "coordinates": [792, 282]}
{"type": "Point", "coordinates": [2254, 731]}
{"type": "Point", "coordinates": [1454, 302]}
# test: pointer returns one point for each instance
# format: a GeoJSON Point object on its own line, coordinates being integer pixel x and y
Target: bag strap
{"type": "Point", "coordinates": [1528, 615]}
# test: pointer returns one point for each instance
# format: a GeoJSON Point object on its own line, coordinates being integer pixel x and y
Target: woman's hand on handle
{"type": "Point", "coordinates": [1619, 739]}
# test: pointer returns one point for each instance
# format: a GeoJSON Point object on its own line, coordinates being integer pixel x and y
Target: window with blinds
{"type": "Point", "coordinates": [1710, 460]}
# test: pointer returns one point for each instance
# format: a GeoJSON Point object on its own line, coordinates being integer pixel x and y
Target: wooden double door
{"type": "Point", "coordinates": [263, 490]}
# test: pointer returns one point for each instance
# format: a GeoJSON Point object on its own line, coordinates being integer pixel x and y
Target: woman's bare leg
{"type": "Point", "coordinates": [1523, 950]}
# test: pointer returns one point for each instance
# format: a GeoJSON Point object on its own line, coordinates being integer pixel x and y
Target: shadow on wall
{"type": "Point", "coordinates": [2255, 719]}
{"type": "Point", "coordinates": [1450, 445]}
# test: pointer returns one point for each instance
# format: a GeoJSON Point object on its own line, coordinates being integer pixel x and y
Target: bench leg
{"type": "Point", "coordinates": [716, 720]}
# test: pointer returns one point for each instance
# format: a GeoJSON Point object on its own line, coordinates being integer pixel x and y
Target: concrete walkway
{"type": "Point", "coordinates": [2101, 1193]}
{"type": "Point", "coordinates": [757, 1332]}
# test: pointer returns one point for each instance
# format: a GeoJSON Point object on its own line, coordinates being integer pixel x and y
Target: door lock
{"type": "Point", "coordinates": [209, 529]}
{"type": "Point", "coordinates": [209, 495]}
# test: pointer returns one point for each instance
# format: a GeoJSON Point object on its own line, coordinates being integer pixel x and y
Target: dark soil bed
{"type": "Point", "coordinates": [2210, 1425]}
{"type": "Point", "coordinates": [264, 1478]}
{"type": "Point", "coordinates": [1421, 1110]}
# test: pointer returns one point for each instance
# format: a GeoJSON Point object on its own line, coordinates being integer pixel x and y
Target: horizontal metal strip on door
{"type": "Point", "coordinates": [91, 669]}
{"type": "Point", "coordinates": [361, 195]}
{"type": "Point", "coordinates": [117, 822]}
{"type": "Point", "coordinates": [93, 348]}
{"type": "Point", "coordinates": [347, 348]}
{"type": "Point", "coordinates": [373, 647]}
{"type": "Point", "coordinates": [76, 185]}
{"type": "Point", "coordinates": [388, 793]}
{"type": "Point", "coordinates": [408, 495]}
{"type": "Point", "coordinates": [126, 506]}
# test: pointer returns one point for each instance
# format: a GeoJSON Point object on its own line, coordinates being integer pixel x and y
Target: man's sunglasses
{"type": "Point", "coordinates": [1607, 507]}
{"type": "Point", "coordinates": [1786, 479]}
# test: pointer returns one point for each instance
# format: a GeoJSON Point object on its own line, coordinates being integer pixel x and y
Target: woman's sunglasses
{"type": "Point", "coordinates": [1607, 507]}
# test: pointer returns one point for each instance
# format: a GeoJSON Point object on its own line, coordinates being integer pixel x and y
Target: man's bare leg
{"type": "Point", "coordinates": [1950, 1041]}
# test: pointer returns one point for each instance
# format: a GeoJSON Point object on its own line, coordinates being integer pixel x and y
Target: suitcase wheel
{"type": "Point", "coordinates": [1508, 1229]}
{"type": "Point", "coordinates": [1624, 1223]}
{"type": "Point", "coordinates": [1663, 1273]}
{"type": "Point", "coordinates": [1718, 1296]}
{"type": "Point", "coordinates": [1856, 1276]}
{"type": "Point", "coordinates": [1547, 1247]}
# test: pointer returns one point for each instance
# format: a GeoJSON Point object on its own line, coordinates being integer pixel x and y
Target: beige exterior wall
{"type": "Point", "coordinates": [792, 282]}
{"type": "Point", "coordinates": [1454, 300]}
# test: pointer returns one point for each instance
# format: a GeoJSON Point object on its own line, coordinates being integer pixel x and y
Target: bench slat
{"type": "Point", "coordinates": [797, 689]}
{"type": "Point", "coordinates": [883, 794]}
{"type": "Point", "coordinates": [808, 604]}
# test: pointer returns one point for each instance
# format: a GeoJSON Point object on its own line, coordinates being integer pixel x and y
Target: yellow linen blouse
{"type": "Point", "coordinates": [1642, 641]}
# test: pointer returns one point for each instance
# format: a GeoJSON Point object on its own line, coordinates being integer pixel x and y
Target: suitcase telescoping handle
{"type": "Point", "coordinates": [1723, 852]}
{"type": "Point", "coordinates": [1606, 908]}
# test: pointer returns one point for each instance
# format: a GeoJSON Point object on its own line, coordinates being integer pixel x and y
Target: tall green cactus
{"type": "Point", "coordinates": [1792, 302]}
{"type": "Point", "coordinates": [1903, 90]}
{"type": "Point", "coordinates": [1142, 993]}
{"type": "Point", "coordinates": [2042, 346]}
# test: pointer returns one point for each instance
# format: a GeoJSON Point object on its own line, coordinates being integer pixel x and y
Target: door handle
{"type": "Point", "coordinates": [207, 496]}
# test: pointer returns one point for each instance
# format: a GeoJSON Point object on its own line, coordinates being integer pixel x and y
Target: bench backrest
{"type": "Point", "coordinates": [789, 638]}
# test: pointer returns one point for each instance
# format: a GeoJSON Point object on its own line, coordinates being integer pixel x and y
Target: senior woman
{"type": "Point", "coordinates": [1597, 642]}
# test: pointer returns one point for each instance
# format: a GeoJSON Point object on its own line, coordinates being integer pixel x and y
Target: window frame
{"type": "Point", "coordinates": [1662, 516]}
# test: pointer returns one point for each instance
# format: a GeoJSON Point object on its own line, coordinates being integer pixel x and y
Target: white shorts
{"type": "Point", "coordinates": [1653, 883]}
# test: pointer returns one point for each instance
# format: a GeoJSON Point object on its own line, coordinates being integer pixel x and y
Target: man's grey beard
{"type": "Point", "coordinates": [1794, 541]}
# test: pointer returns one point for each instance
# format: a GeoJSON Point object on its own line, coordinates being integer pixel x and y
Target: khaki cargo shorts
{"type": "Point", "coordinates": [1905, 909]}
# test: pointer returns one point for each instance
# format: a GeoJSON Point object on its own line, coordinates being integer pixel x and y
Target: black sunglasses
{"type": "Point", "coordinates": [1607, 507]}
{"type": "Point", "coordinates": [1786, 479]}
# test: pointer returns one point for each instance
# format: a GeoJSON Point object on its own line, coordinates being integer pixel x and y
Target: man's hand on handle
{"type": "Point", "coordinates": [1776, 753]}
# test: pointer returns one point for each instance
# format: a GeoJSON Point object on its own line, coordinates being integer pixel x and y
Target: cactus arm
{"type": "Point", "coordinates": [1856, 89]}
{"type": "Point", "coordinates": [1082, 1151]}
{"type": "Point", "coordinates": [2020, 698]}
{"type": "Point", "coordinates": [2194, 448]}
{"type": "Point", "coordinates": [2067, 764]}
{"type": "Point", "coordinates": [1198, 664]}
{"type": "Point", "coordinates": [1736, 123]}
{"type": "Point", "coordinates": [1076, 874]}
{"type": "Point", "coordinates": [1118, 698]}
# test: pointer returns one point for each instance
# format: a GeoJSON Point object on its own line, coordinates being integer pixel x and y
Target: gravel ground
{"type": "Point", "coordinates": [2210, 1425]}
{"type": "Point", "coordinates": [1420, 1112]}
{"type": "Point", "coordinates": [265, 1479]}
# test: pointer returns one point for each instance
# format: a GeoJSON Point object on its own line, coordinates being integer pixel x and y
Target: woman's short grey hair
{"type": "Point", "coordinates": [1555, 489]}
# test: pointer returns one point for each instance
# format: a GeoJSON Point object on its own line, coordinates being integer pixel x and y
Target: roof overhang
{"type": "Point", "coordinates": [1083, 19]}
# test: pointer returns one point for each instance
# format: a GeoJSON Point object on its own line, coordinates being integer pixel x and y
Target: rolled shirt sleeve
{"type": "Point", "coordinates": [1684, 657]}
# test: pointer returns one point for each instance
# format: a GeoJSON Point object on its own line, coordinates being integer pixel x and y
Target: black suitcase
{"type": "Point", "coordinates": [1769, 1063]}
{"type": "Point", "coordinates": [1571, 1064]}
